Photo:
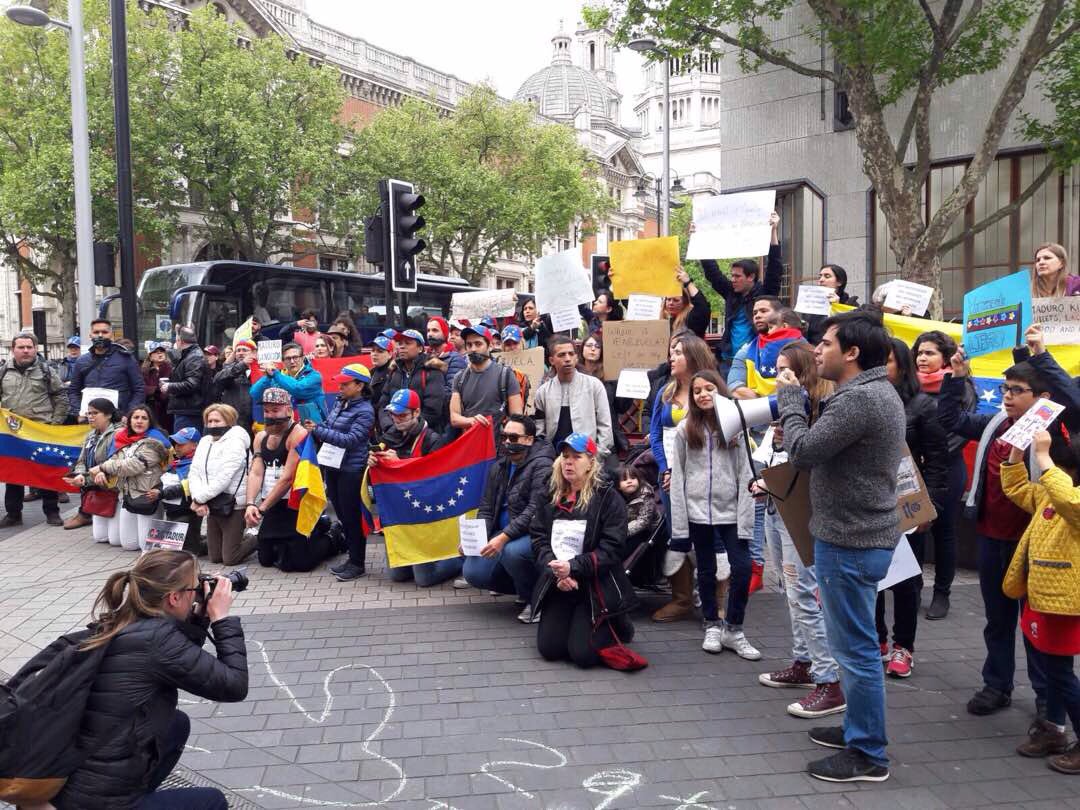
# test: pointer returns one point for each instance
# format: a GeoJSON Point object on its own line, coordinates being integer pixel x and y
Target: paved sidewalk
{"type": "Point", "coordinates": [373, 694]}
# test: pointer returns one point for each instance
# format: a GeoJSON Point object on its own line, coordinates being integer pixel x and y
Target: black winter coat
{"type": "Point", "coordinates": [605, 534]}
{"type": "Point", "coordinates": [769, 285]}
{"type": "Point", "coordinates": [406, 444]}
{"type": "Point", "coordinates": [969, 403]}
{"type": "Point", "coordinates": [116, 369]}
{"type": "Point", "coordinates": [929, 445]}
{"type": "Point", "coordinates": [522, 494]}
{"type": "Point", "coordinates": [378, 382]}
{"type": "Point", "coordinates": [189, 383]}
{"type": "Point", "coordinates": [232, 386]}
{"type": "Point", "coordinates": [134, 698]}
{"type": "Point", "coordinates": [429, 382]}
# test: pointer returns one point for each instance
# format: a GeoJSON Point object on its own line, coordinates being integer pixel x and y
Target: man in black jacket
{"type": "Point", "coordinates": [515, 485]}
{"type": "Point", "coordinates": [107, 365]}
{"type": "Point", "coordinates": [232, 385]}
{"type": "Point", "coordinates": [187, 387]}
{"type": "Point", "coordinates": [411, 369]}
{"type": "Point", "coordinates": [739, 293]}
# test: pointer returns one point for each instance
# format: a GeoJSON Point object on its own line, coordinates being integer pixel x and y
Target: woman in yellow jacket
{"type": "Point", "coordinates": [1045, 573]}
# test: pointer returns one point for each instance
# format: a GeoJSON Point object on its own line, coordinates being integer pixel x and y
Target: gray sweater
{"type": "Point", "coordinates": [852, 451]}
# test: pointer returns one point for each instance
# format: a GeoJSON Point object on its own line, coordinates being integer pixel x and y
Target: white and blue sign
{"type": "Point", "coordinates": [997, 314]}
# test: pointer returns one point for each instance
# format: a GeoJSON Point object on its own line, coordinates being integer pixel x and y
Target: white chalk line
{"type": "Point", "coordinates": [619, 780]}
{"type": "Point", "coordinates": [691, 802]}
{"type": "Point", "coordinates": [484, 768]}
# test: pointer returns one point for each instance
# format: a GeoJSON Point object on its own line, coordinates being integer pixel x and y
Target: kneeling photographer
{"type": "Point", "coordinates": [152, 621]}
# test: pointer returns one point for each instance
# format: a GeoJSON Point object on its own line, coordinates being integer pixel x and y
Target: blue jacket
{"type": "Point", "coordinates": [348, 426]}
{"type": "Point", "coordinates": [660, 419]}
{"type": "Point", "coordinates": [305, 389]}
{"type": "Point", "coordinates": [455, 362]}
{"type": "Point", "coordinates": [116, 369]}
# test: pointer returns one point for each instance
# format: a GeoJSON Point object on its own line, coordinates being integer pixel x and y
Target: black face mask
{"type": "Point", "coordinates": [218, 430]}
{"type": "Point", "coordinates": [100, 342]}
{"type": "Point", "coordinates": [476, 358]}
{"type": "Point", "coordinates": [513, 448]}
{"type": "Point", "coordinates": [275, 421]}
{"type": "Point", "coordinates": [435, 342]}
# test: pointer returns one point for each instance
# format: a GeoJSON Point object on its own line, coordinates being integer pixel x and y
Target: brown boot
{"type": "Point", "coordinates": [78, 521]}
{"type": "Point", "coordinates": [681, 605]}
{"type": "Point", "coordinates": [722, 589]}
{"type": "Point", "coordinates": [1043, 739]}
{"type": "Point", "coordinates": [1069, 762]}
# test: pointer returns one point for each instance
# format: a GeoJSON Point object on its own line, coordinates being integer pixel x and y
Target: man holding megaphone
{"type": "Point", "coordinates": [852, 451]}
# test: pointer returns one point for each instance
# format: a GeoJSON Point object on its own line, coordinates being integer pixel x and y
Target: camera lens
{"type": "Point", "coordinates": [238, 579]}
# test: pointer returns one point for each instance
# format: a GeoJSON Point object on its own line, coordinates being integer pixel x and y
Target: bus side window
{"type": "Point", "coordinates": [221, 319]}
{"type": "Point", "coordinates": [288, 297]}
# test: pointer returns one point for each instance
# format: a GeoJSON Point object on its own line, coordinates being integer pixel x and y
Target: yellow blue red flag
{"type": "Point", "coordinates": [421, 499]}
{"type": "Point", "coordinates": [308, 493]}
{"type": "Point", "coordinates": [38, 455]}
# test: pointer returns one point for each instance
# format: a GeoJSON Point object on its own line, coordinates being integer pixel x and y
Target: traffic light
{"type": "Point", "coordinates": [374, 237]}
{"type": "Point", "coordinates": [402, 223]}
{"type": "Point", "coordinates": [104, 264]}
{"type": "Point", "coordinates": [601, 266]}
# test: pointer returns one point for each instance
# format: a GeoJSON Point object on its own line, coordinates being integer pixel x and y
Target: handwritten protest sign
{"type": "Point", "coordinates": [1038, 417]}
{"type": "Point", "coordinates": [644, 307]}
{"type": "Point", "coordinates": [472, 535]}
{"type": "Point", "coordinates": [633, 384]}
{"type": "Point", "coordinates": [89, 394]}
{"type": "Point", "coordinates": [269, 351]}
{"type": "Point", "coordinates": [634, 344]}
{"type": "Point", "coordinates": [732, 225]}
{"type": "Point", "coordinates": [645, 266]}
{"type": "Point", "coordinates": [813, 300]}
{"type": "Point", "coordinates": [997, 314]}
{"type": "Point", "coordinates": [565, 319]}
{"type": "Point", "coordinates": [166, 534]}
{"type": "Point", "coordinates": [909, 294]}
{"type": "Point", "coordinates": [529, 362]}
{"type": "Point", "coordinates": [561, 282]}
{"type": "Point", "coordinates": [1059, 318]}
{"type": "Point", "coordinates": [473, 306]}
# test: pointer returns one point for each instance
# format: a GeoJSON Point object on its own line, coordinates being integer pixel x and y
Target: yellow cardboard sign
{"type": "Point", "coordinates": [645, 266]}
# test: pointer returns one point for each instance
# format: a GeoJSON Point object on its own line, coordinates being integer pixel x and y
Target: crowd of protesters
{"type": "Point", "coordinates": [212, 439]}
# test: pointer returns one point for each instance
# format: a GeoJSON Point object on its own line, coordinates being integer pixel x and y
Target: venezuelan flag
{"type": "Point", "coordinates": [243, 332]}
{"type": "Point", "coordinates": [327, 368]}
{"type": "Point", "coordinates": [38, 455]}
{"type": "Point", "coordinates": [421, 499]}
{"type": "Point", "coordinates": [308, 493]}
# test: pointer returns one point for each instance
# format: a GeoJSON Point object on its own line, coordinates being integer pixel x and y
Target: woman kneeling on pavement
{"type": "Point", "coordinates": [578, 538]}
{"type": "Point", "coordinates": [217, 480]}
{"type": "Point", "coordinates": [105, 421]}
{"type": "Point", "coordinates": [140, 453]}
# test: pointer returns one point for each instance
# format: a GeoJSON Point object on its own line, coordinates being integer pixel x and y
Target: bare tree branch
{"type": "Point", "coordinates": [767, 54]}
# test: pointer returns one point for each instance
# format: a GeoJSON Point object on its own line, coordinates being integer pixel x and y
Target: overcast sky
{"type": "Point", "coordinates": [493, 40]}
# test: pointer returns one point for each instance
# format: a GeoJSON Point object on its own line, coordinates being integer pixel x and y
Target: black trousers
{"type": "Point", "coordinates": [907, 597]}
{"type": "Point", "coordinates": [565, 631]}
{"type": "Point", "coordinates": [343, 488]}
{"type": "Point", "coordinates": [13, 500]}
{"type": "Point", "coordinates": [179, 798]}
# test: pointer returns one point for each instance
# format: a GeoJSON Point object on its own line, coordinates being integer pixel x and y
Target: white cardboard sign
{"type": "Point", "coordinates": [644, 307]}
{"type": "Point", "coordinates": [166, 534]}
{"type": "Point", "coordinates": [474, 306]}
{"type": "Point", "coordinates": [269, 351]}
{"type": "Point", "coordinates": [561, 282]}
{"type": "Point", "coordinates": [1038, 417]}
{"type": "Point", "coordinates": [473, 535]}
{"type": "Point", "coordinates": [98, 393]}
{"type": "Point", "coordinates": [563, 320]}
{"type": "Point", "coordinates": [330, 455]}
{"type": "Point", "coordinates": [909, 294]}
{"type": "Point", "coordinates": [732, 225]}
{"type": "Point", "coordinates": [633, 384]}
{"type": "Point", "coordinates": [1059, 319]}
{"type": "Point", "coordinates": [903, 566]}
{"type": "Point", "coordinates": [813, 300]}
{"type": "Point", "coordinates": [567, 538]}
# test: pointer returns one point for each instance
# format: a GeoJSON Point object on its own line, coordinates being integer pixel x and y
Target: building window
{"type": "Point", "coordinates": [802, 237]}
{"type": "Point", "coordinates": [842, 117]}
{"type": "Point", "coordinates": [504, 283]}
{"type": "Point", "coordinates": [592, 56]}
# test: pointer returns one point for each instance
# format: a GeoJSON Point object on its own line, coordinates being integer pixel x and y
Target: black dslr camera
{"type": "Point", "coordinates": [238, 579]}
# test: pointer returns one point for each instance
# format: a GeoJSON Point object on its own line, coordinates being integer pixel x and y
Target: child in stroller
{"type": "Point", "coordinates": [644, 544]}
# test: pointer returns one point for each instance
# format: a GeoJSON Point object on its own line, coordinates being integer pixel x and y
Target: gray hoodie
{"type": "Point", "coordinates": [710, 485]}
{"type": "Point", "coordinates": [852, 451]}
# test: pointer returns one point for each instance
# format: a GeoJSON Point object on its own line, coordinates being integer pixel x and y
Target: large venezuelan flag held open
{"type": "Point", "coordinates": [38, 455]}
{"type": "Point", "coordinates": [420, 499]}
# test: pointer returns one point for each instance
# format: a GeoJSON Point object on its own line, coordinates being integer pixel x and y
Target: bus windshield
{"type": "Point", "coordinates": [155, 291]}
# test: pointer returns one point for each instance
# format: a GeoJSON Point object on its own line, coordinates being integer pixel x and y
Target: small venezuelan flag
{"type": "Point", "coordinates": [38, 455]}
{"type": "Point", "coordinates": [308, 493]}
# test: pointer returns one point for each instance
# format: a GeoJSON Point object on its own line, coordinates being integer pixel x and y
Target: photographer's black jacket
{"type": "Point", "coordinates": [134, 698]}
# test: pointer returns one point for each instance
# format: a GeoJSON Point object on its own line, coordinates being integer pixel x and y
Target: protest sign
{"type": "Point", "coordinates": [269, 351]}
{"type": "Point", "coordinates": [561, 282]}
{"type": "Point", "coordinates": [529, 362]}
{"type": "Point", "coordinates": [634, 344]}
{"type": "Point", "coordinates": [813, 300]}
{"type": "Point", "coordinates": [1059, 319]}
{"type": "Point", "coordinates": [567, 538]}
{"type": "Point", "coordinates": [474, 306]}
{"type": "Point", "coordinates": [902, 567]}
{"type": "Point", "coordinates": [644, 307]}
{"type": "Point", "coordinates": [564, 319]}
{"type": "Point", "coordinates": [645, 266]}
{"type": "Point", "coordinates": [908, 294]}
{"type": "Point", "coordinates": [1038, 417]}
{"type": "Point", "coordinates": [166, 534]}
{"type": "Point", "coordinates": [997, 314]}
{"type": "Point", "coordinates": [731, 226]}
{"type": "Point", "coordinates": [791, 495]}
{"type": "Point", "coordinates": [633, 384]}
{"type": "Point", "coordinates": [472, 533]}
{"type": "Point", "coordinates": [98, 393]}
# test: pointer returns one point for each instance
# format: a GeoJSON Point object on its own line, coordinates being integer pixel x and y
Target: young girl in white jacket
{"type": "Point", "coordinates": [710, 501]}
{"type": "Point", "coordinates": [219, 468]}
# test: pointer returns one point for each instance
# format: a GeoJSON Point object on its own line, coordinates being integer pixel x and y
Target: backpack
{"type": "Point", "coordinates": [41, 712]}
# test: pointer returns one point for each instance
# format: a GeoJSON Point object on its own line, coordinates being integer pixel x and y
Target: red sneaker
{"type": "Point", "coordinates": [901, 663]}
{"type": "Point", "coordinates": [757, 571]}
{"type": "Point", "coordinates": [826, 699]}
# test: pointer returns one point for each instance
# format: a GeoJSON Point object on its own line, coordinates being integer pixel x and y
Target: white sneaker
{"type": "Point", "coordinates": [736, 640]}
{"type": "Point", "coordinates": [461, 584]}
{"type": "Point", "coordinates": [526, 616]}
{"type": "Point", "coordinates": [713, 638]}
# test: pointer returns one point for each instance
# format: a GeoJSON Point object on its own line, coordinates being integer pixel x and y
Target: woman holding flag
{"type": "Point", "coordinates": [343, 457]}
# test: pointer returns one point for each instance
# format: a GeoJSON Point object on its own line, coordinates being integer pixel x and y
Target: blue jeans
{"type": "Point", "coordinates": [708, 541]}
{"type": "Point", "coordinates": [180, 798]}
{"type": "Point", "coordinates": [757, 545]}
{"type": "Point", "coordinates": [848, 580]}
{"type": "Point", "coordinates": [1062, 688]}
{"type": "Point", "coordinates": [427, 574]}
{"type": "Point", "coordinates": [1002, 614]}
{"type": "Point", "coordinates": [512, 570]}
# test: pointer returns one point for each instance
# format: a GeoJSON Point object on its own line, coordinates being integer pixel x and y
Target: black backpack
{"type": "Point", "coordinates": [41, 712]}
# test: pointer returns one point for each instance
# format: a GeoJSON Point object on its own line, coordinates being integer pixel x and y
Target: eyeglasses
{"type": "Point", "coordinates": [1015, 390]}
{"type": "Point", "coordinates": [512, 437]}
{"type": "Point", "coordinates": [293, 358]}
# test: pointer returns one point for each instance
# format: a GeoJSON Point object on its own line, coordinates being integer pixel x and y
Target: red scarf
{"type": "Point", "coordinates": [931, 380]}
{"type": "Point", "coordinates": [788, 333]}
{"type": "Point", "coordinates": [123, 437]}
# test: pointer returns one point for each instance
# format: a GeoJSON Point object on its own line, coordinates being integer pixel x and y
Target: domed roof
{"type": "Point", "coordinates": [561, 88]}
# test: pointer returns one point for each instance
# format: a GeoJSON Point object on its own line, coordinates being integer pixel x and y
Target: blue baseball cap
{"type": "Point", "coordinates": [74, 341]}
{"type": "Point", "coordinates": [488, 321]}
{"type": "Point", "coordinates": [404, 399]}
{"type": "Point", "coordinates": [383, 343]}
{"type": "Point", "coordinates": [511, 333]}
{"type": "Point", "coordinates": [188, 434]}
{"type": "Point", "coordinates": [482, 331]}
{"type": "Point", "coordinates": [412, 334]}
{"type": "Point", "coordinates": [579, 443]}
{"type": "Point", "coordinates": [389, 333]}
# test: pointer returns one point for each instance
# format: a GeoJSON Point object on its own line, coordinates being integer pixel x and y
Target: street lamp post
{"type": "Point", "coordinates": [124, 202]}
{"type": "Point", "coordinates": [642, 193]}
{"type": "Point", "coordinates": [652, 47]}
{"type": "Point", "coordinates": [80, 150]}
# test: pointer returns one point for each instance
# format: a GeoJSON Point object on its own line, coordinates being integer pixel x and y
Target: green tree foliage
{"type": "Point", "coordinates": [496, 182]}
{"type": "Point", "coordinates": [891, 57]}
{"type": "Point", "coordinates": [37, 197]}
